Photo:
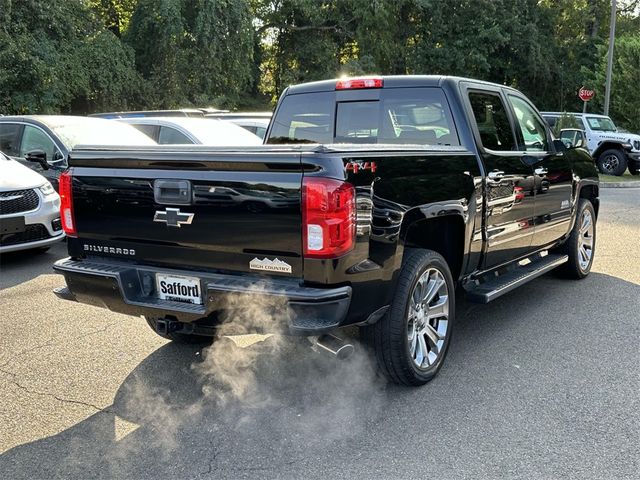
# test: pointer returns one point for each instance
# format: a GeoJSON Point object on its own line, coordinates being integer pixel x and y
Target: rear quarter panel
{"type": "Point", "coordinates": [406, 187]}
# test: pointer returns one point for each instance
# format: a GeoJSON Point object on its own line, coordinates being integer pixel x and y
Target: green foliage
{"type": "Point", "coordinates": [88, 55]}
{"type": "Point", "coordinates": [55, 57]}
{"type": "Point", "coordinates": [624, 106]}
{"type": "Point", "coordinates": [192, 52]}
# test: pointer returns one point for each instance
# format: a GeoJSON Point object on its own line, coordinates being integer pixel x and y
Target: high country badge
{"type": "Point", "coordinates": [274, 265]}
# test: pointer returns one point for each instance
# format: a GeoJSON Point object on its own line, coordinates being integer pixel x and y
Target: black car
{"type": "Point", "coordinates": [43, 142]}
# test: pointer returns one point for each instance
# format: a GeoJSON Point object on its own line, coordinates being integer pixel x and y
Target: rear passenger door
{"type": "Point", "coordinates": [509, 182]}
{"type": "Point", "coordinates": [553, 175]}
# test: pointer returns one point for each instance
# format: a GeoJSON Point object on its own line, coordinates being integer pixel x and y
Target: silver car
{"type": "Point", "coordinates": [29, 209]}
{"type": "Point", "coordinates": [200, 131]}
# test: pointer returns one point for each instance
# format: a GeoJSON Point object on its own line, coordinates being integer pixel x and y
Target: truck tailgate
{"type": "Point", "coordinates": [196, 209]}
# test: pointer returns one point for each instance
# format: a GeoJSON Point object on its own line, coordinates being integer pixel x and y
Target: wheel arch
{"type": "Point", "coordinates": [444, 234]}
{"type": "Point", "coordinates": [591, 192]}
{"type": "Point", "coordinates": [608, 145]}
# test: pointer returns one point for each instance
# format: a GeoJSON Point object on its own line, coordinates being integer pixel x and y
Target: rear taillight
{"type": "Point", "coordinates": [357, 83]}
{"type": "Point", "coordinates": [328, 217]}
{"type": "Point", "coordinates": [65, 187]}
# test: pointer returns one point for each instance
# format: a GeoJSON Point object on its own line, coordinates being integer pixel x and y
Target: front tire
{"type": "Point", "coordinates": [612, 162]}
{"type": "Point", "coordinates": [634, 169]}
{"type": "Point", "coordinates": [581, 244]}
{"type": "Point", "coordinates": [411, 341]}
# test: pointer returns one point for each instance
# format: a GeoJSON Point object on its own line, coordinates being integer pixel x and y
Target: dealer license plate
{"type": "Point", "coordinates": [179, 289]}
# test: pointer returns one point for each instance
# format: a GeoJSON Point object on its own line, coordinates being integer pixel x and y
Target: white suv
{"type": "Point", "coordinates": [29, 209]}
{"type": "Point", "coordinates": [612, 149]}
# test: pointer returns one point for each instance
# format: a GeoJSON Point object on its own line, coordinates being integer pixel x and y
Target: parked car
{"type": "Point", "coordinates": [399, 191]}
{"type": "Point", "coordinates": [226, 115]}
{"type": "Point", "coordinates": [43, 142]}
{"type": "Point", "coordinates": [29, 209]}
{"type": "Point", "coordinates": [613, 150]}
{"type": "Point", "coordinates": [257, 126]}
{"type": "Point", "coordinates": [255, 122]}
{"type": "Point", "coordinates": [185, 131]}
{"type": "Point", "coordinates": [183, 112]}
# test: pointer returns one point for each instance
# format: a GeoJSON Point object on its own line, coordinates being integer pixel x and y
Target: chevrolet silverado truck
{"type": "Point", "coordinates": [380, 197]}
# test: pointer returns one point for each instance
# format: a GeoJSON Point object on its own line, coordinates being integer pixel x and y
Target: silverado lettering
{"type": "Point", "coordinates": [113, 250]}
{"type": "Point", "coordinates": [373, 200]}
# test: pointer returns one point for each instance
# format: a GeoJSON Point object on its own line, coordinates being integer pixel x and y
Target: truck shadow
{"type": "Point", "coordinates": [279, 407]}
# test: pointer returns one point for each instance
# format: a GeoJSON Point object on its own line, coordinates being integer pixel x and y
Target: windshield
{"type": "Point", "coordinates": [96, 131]}
{"type": "Point", "coordinates": [401, 116]}
{"type": "Point", "coordinates": [601, 124]}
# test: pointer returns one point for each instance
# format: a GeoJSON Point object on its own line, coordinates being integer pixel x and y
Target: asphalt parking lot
{"type": "Point", "coordinates": [543, 383]}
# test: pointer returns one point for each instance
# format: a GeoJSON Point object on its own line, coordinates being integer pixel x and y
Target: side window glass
{"type": "Point", "coordinates": [35, 139]}
{"type": "Point", "coordinates": [260, 131]}
{"type": "Point", "coordinates": [531, 126]}
{"type": "Point", "coordinates": [149, 130]}
{"type": "Point", "coordinates": [171, 136]}
{"type": "Point", "coordinates": [492, 121]}
{"type": "Point", "coordinates": [568, 137]}
{"type": "Point", "coordinates": [10, 139]}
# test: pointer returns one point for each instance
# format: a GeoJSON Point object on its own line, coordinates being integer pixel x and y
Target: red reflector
{"type": "Point", "coordinates": [65, 187]}
{"type": "Point", "coordinates": [355, 83]}
{"type": "Point", "coordinates": [328, 217]}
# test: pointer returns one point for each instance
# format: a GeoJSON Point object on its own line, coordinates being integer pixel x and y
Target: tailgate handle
{"type": "Point", "coordinates": [172, 192]}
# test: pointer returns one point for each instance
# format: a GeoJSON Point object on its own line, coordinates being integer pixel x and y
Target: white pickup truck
{"type": "Point", "coordinates": [614, 151]}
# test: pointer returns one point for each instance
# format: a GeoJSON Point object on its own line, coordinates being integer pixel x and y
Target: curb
{"type": "Point", "coordinates": [632, 184]}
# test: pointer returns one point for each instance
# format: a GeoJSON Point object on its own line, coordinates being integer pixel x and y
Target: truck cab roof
{"type": "Point", "coordinates": [389, 81]}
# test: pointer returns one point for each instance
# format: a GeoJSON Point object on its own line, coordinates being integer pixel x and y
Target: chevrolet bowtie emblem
{"type": "Point", "coordinates": [173, 217]}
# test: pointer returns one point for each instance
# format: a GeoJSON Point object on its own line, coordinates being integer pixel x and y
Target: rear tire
{"type": "Point", "coordinates": [612, 162]}
{"type": "Point", "coordinates": [179, 337]}
{"type": "Point", "coordinates": [412, 339]}
{"type": "Point", "coordinates": [581, 244]}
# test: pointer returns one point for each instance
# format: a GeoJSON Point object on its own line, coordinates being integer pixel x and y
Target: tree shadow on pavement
{"type": "Point", "coordinates": [521, 391]}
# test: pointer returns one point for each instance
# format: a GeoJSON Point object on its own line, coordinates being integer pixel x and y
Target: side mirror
{"type": "Point", "coordinates": [37, 156]}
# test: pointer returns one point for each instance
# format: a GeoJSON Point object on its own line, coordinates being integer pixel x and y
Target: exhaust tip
{"type": "Point", "coordinates": [333, 345]}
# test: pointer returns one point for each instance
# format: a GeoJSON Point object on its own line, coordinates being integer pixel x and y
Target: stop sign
{"type": "Point", "coordinates": [585, 94]}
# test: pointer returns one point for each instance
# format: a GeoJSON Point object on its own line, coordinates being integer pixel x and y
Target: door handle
{"type": "Point", "coordinates": [495, 175]}
{"type": "Point", "coordinates": [540, 171]}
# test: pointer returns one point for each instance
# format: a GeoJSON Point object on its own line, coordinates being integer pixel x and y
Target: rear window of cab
{"type": "Point", "coordinates": [400, 116]}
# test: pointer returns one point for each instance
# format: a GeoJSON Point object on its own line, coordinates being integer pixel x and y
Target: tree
{"type": "Point", "coordinates": [625, 95]}
{"type": "Point", "coordinates": [192, 52]}
{"type": "Point", "coordinates": [217, 50]}
{"type": "Point", "coordinates": [53, 59]}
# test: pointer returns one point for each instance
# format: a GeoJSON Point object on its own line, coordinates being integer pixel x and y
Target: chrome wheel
{"type": "Point", "coordinates": [610, 163]}
{"type": "Point", "coordinates": [585, 240]}
{"type": "Point", "coordinates": [428, 318]}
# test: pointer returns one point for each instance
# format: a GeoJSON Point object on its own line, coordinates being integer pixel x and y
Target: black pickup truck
{"type": "Point", "coordinates": [373, 200]}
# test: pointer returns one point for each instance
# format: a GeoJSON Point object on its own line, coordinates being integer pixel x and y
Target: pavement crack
{"type": "Point", "coordinates": [54, 344]}
{"type": "Point", "coordinates": [51, 395]}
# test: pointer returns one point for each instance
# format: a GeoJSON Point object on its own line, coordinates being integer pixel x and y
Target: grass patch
{"type": "Point", "coordinates": [626, 177]}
